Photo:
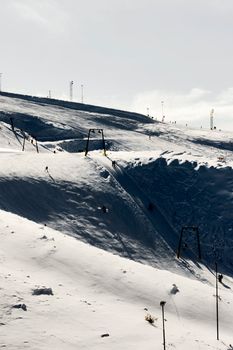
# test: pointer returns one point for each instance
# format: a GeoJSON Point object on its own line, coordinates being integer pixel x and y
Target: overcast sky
{"type": "Point", "coordinates": [129, 54]}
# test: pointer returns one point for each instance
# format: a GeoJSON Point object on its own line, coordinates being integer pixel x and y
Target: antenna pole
{"type": "Point", "coordinates": [71, 90]}
{"type": "Point", "coordinates": [82, 93]}
{"type": "Point", "coordinates": [212, 119]}
{"type": "Point", "coordinates": [162, 103]}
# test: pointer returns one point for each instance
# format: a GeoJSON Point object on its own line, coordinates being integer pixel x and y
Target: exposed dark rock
{"type": "Point", "coordinates": [42, 291]}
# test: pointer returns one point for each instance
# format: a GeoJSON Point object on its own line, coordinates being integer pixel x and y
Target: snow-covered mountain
{"type": "Point", "coordinates": [131, 201]}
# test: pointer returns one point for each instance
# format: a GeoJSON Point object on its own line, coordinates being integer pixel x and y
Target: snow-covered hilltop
{"type": "Point", "coordinates": [154, 180]}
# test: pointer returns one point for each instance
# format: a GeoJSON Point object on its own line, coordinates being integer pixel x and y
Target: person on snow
{"type": "Point", "coordinates": [104, 209]}
{"type": "Point", "coordinates": [220, 278]}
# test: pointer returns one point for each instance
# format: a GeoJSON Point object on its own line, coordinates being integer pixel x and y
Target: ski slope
{"type": "Point", "coordinates": [96, 293]}
{"type": "Point", "coordinates": [107, 267]}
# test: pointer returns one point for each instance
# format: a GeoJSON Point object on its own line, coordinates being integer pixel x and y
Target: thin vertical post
{"type": "Point", "coordinates": [37, 149]}
{"type": "Point", "coordinates": [88, 137]}
{"type": "Point", "coordinates": [217, 313]}
{"type": "Point", "coordinates": [103, 142]}
{"type": "Point", "coordinates": [162, 304]}
{"type": "Point", "coordinates": [12, 124]}
{"type": "Point", "coordinates": [24, 138]}
{"type": "Point", "coordinates": [71, 90]}
{"type": "Point", "coordinates": [211, 119]}
{"type": "Point", "coordinates": [180, 241]}
{"type": "Point", "coordinates": [82, 93]}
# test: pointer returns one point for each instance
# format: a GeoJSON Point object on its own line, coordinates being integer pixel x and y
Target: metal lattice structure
{"type": "Point", "coordinates": [99, 131]}
{"type": "Point", "coordinates": [187, 229]}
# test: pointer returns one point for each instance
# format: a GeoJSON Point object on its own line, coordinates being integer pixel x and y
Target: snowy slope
{"type": "Point", "coordinates": [165, 177]}
{"type": "Point", "coordinates": [96, 293]}
{"type": "Point", "coordinates": [175, 168]}
{"type": "Point", "coordinates": [188, 180]}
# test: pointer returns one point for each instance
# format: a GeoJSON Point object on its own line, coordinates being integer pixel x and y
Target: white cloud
{"type": "Point", "coordinates": [45, 13]}
{"type": "Point", "coordinates": [192, 107]}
